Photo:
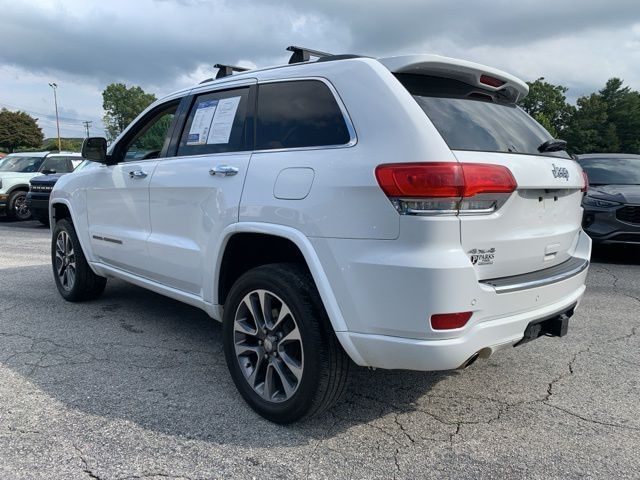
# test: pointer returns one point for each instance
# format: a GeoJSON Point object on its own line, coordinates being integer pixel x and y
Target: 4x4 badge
{"type": "Point", "coordinates": [479, 256]}
{"type": "Point", "coordinates": [560, 172]}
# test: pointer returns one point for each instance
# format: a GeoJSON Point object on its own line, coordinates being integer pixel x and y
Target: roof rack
{"type": "Point", "coordinates": [226, 70]}
{"type": "Point", "coordinates": [302, 54]}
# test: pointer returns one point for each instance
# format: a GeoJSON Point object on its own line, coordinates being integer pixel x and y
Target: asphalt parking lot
{"type": "Point", "coordinates": [134, 385]}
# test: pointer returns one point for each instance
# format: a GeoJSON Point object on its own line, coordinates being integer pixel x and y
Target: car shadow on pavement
{"type": "Point", "coordinates": [137, 356]}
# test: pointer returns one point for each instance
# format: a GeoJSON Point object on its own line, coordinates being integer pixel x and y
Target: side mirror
{"type": "Point", "coordinates": [95, 148]}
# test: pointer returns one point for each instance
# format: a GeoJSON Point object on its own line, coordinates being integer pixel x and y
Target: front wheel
{"type": "Point", "coordinates": [73, 275]}
{"type": "Point", "coordinates": [18, 208]}
{"type": "Point", "coordinates": [280, 348]}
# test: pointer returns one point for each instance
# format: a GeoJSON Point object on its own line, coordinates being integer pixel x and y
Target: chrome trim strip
{"type": "Point", "coordinates": [501, 285]}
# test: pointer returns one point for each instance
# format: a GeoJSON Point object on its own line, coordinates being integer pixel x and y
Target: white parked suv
{"type": "Point", "coordinates": [16, 169]}
{"type": "Point", "coordinates": [400, 213]}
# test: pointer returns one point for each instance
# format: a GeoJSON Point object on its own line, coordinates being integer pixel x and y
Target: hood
{"type": "Point", "coordinates": [20, 175]}
{"type": "Point", "coordinates": [616, 193]}
{"type": "Point", "coordinates": [46, 179]}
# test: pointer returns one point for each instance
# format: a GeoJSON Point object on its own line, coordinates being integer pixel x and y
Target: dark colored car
{"type": "Point", "coordinates": [40, 190]}
{"type": "Point", "coordinates": [612, 203]}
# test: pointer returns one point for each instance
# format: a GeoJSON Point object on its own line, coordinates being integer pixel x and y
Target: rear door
{"type": "Point", "coordinates": [537, 226]}
{"type": "Point", "coordinates": [195, 194]}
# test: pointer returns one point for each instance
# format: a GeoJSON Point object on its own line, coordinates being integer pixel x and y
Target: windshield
{"type": "Point", "coordinates": [21, 164]}
{"type": "Point", "coordinates": [469, 118]}
{"type": "Point", "coordinates": [612, 171]}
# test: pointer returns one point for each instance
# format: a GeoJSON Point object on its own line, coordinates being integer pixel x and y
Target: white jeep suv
{"type": "Point", "coordinates": [400, 213]}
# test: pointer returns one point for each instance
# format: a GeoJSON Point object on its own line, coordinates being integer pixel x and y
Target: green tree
{"type": "Point", "coordinates": [589, 129]}
{"type": "Point", "coordinates": [122, 105]}
{"type": "Point", "coordinates": [606, 121]}
{"type": "Point", "coordinates": [19, 130]}
{"type": "Point", "coordinates": [68, 144]}
{"type": "Point", "coordinates": [548, 104]}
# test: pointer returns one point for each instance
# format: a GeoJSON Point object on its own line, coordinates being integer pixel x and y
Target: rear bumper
{"type": "Point", "coordinates": [483, 338]}
{"type": "Point", "coordinates": [387, 292]}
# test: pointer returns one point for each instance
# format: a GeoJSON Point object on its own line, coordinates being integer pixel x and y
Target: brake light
{"type": "Point", "coordinates": [585, 180]}
{"type": "Point", "coordinates": [491, 81]}
{"type": "Point", "coordinates": [448, 321]}
{"type": "Point", "coordinates": [447, 185]}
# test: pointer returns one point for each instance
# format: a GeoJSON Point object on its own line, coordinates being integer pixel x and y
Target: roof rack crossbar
{"type": "Point", "coordinates": [226, 70]}
{"type": "Point", "coordinates": [302, 54]}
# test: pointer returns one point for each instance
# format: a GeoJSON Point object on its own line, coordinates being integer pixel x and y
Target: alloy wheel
{"type": "Point", "coordinates": [65, 261]}
{"type": "Point", "coordinates": [20, 207]}
{"type": "Point", "coordinates": [268, 346]}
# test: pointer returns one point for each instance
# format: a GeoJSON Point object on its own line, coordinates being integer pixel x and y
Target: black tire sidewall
{"type": "Point", "coordinates": [293, 289]}
{"type": "Point", "coordinates": [12, 203]}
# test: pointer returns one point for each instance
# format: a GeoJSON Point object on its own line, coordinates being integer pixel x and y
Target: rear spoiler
{"type": "Point", "coordinates": [474, 74]}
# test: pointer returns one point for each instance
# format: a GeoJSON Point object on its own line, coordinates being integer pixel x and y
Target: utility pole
{"type": "Point", "coordinates": [55, 99]}
{"type": "Point", "coordinates": [87, 124]}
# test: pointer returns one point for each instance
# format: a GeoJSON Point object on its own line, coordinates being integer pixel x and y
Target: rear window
{"type": "Point", "coordinates": [296, 114]}
{"type": "Point", "coordinates": [470, 118]}
{"type": "Point", "coordinates": [612, 171]}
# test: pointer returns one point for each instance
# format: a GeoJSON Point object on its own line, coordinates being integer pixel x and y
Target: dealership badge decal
{"type": "Point", "coordinates": [560, 172]}
{"type": "Point", "coordinates": [479, 256]}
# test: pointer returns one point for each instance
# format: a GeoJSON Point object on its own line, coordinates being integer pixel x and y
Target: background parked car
{"type": "Point", "coordinates": [612, 203]}
{"type": "Point", "coordinates": [40, 191]}
{"type": "Point", "coordinates": [18, 168]}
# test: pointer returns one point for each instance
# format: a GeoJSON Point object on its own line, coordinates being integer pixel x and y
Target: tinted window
{"type": "Point", "coordinates": [149, 140]}
{"type": "Point", "coordinates": [299, 114]}
{"type": "Point", "coordinates": [57, 165]}
{"type": "Point", "coordinates": [612, 171]}
{"type": "Point", "coordinates": [21, 164]}
{"type": "Point", "coordinates": [216, 123]}
{"type": "Point", "coordinates": [469, 118]}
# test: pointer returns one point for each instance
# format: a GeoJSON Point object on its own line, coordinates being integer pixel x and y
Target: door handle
{"type": "Point", "coordinates": [223, 170]}
{"type": "Point", "coordinates": [137, 174]}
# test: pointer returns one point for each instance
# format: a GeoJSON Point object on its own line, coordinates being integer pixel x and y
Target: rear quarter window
{"type": "Point", "coordinates": [296, 114]}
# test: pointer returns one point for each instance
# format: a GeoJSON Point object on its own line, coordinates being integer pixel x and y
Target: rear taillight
{"type": "Point", "coordinates": [448, 321]}
{"type": "Point", "coordinates": [585, 181]}
{"type": "Point", "coordinates": [445, 187]}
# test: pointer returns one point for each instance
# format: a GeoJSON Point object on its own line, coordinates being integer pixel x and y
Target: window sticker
{"type": "Point", "coordinates": [223, 120]}
{"type": "Point", "coordinates": [199, 131]}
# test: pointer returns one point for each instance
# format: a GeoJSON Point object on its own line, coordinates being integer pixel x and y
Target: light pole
{"type": "Point", "coordinates": [55, 100]}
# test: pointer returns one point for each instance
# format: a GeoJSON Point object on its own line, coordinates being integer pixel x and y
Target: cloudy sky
{"type": "Point", "coordinates": [164, 45]}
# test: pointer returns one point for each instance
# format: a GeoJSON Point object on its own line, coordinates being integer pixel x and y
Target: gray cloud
{"type": "Point", "coordinates": [165, 44]}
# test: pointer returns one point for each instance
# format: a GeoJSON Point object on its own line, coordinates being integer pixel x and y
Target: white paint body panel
{"type": "Point", "coordinates": [380, 275]}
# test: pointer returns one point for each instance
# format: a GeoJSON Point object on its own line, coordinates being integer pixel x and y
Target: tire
{"type": "Point", "coordinates": [18, 209]}
{"type": "Point", "coordinates": [315, 368]}
{"type": "Point", "coordinates": [74, 278]}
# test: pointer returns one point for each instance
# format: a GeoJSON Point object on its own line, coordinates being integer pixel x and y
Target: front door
{"type": "Point", "coordinates": [118, 202]}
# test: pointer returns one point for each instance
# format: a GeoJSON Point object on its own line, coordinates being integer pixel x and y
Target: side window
{"type": "Point", "coordinates": [149, 140]}
{"type": "Point", "coordinates": [302, 113]}
{"type": "Point", "coordinates": [216, 123]}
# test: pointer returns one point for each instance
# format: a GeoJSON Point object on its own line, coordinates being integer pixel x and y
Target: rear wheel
{"type": "Point", "coordinates": [18, 208]}
{"type": "Point", "coordinates": [73, 276]}
{"type": "Point", "coordinates": [279, 345]}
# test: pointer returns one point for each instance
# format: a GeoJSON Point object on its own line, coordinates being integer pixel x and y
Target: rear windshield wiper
{"type": "Point", "coordinates": [553, 145]}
